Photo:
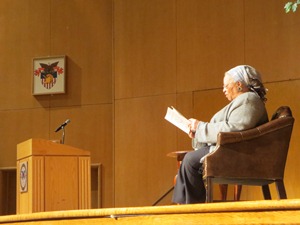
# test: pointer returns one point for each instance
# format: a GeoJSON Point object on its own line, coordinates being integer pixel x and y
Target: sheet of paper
{"type": "Point", "coordinates": [175, 117]}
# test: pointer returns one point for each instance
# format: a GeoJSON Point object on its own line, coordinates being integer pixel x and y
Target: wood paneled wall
{"type": "Point", "coordinates": [127, 60]}
{"type": "Point", "coordinates": [81, 30]}
{"type": "Point", "coordinates": [188, 45]}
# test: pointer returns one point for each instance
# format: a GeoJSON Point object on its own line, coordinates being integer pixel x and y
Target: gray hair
{"type": "Point", "coordinates": [250, 77]}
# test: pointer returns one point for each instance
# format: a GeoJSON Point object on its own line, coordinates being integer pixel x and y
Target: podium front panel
{"type": "Point", "coordinates": [61, 183]}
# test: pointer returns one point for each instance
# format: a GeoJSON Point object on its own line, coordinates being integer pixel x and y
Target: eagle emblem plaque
{"type": "Point", "coordinates": [49, 75]}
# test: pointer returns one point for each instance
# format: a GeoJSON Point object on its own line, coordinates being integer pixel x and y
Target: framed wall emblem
{"type": "Point", "coordinates": [49, 75]}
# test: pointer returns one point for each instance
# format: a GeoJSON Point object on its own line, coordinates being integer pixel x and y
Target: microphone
{"type": "Point", "coordinates": [63, 125]}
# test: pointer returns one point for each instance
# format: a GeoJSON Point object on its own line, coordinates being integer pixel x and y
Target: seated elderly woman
{"type": "Point", "coordinates": [244, 89]}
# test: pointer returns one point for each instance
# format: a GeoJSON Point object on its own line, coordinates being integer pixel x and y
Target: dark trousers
{"type": "Point", "coordinates": [189, 187]}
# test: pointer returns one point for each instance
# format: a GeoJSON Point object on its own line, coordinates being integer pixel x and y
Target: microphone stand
{"type": "Point", "coordinates": [163, 196]}
{"type": "Point", "coordinates": [63, 135]}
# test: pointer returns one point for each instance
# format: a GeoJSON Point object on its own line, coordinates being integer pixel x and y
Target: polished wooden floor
{"type": "Point", "coordinates": [254, 212]}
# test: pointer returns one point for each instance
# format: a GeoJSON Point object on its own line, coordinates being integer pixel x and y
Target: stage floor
{"type": "Point", "coordinates": [244, 212]}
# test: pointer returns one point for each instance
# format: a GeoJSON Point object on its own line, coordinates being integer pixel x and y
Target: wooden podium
{"type": "Point", "coordinates": [52, 177]}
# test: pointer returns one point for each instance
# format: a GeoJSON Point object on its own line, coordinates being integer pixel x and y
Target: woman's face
{"type": "Point", "coordinates": [230, 88]}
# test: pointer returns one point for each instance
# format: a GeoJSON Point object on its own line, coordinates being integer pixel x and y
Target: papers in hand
{"type": "Point", "coordinates": [175, 117]}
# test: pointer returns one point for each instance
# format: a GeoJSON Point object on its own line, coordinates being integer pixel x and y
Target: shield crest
{"type": "Point", "coordinates": [48, 74]}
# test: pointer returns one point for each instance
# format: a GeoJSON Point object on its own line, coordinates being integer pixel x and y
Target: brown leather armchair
{"type": "Point", "coordinates": [253, 157]}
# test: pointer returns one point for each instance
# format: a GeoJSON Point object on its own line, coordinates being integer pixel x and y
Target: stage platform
{"type": "Point", "coordinates": [245, 212]}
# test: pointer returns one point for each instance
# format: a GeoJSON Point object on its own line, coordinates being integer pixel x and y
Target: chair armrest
{"type": "Point", "coordinates": [233, 137]}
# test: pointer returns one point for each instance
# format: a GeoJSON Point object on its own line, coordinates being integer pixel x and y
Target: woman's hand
{"type": "Point", "coordinates": [193, 126]}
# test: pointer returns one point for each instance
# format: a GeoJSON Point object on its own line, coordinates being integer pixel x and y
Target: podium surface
{"type": "Point", "coordinates": [52, 177]}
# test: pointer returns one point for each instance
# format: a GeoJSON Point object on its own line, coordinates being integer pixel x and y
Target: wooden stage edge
{"type": "Point", "coordinates": [244, 212]}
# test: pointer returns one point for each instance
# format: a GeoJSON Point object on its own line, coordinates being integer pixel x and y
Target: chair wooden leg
{"type": "Point", "coordinates": [266, 192]}
{"type": "Point", "coordinates": [281, 189]}
{"type": "Point", "coordinates": [237, 192]}
{"type": "Point", "coordinates": [223, 190]}
{"type": "Point", "coordinates": [209, 190]}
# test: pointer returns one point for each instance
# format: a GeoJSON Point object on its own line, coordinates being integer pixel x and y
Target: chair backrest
{"type": "Point", "coordinates": [258, 153]}
{"type": "Point", "coordinates": [283, 111]}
